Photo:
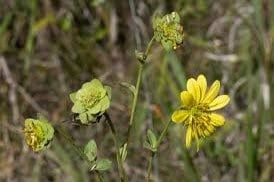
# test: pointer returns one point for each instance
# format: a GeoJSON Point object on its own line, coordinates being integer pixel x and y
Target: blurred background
{"type": "Point", "coordinates": [49, 48]}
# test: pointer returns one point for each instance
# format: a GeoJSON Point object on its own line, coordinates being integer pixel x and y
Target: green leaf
{"type": "Point", "coordinates": [95, 109]}
{"type": "Point", "coordinates": [123, 152]}
{"type": "Point", "coordinates": [94, 85]}
{"type": "Point", "coordinates": [151, 138]}
{"type": "Point", "coordinates": [151, 142]}
{"type": "Point", "coordinates": [175, 17]}
{"type": "Point", "coordinates": [167, 44]}
{"type": "Point", "coordinates": [104, 103]}
{"type": "Point", "coordinates": [148, 146]}
{"type": "Point", "coordinates": [108, 89]}
{"type": "Point", "coordinates": [103, 164]}
{"type": "Point", "coordinates": [130, 87]}
{"type": "Point", "coordinates": [90, 150]}
{"type": "Point", "coordinates": [85, 117]}
{"type": "Point", "coordinates": [72, 97]}
{"type": "Point", "coordinates": [97, 2]}
{"type": "Point", "coordinates": [77, 108]}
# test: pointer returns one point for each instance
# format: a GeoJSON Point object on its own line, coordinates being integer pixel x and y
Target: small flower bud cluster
{"type": "Point", "coordinates": [168, 31]}
{"type": "Point", "coordinates": [38, 133]}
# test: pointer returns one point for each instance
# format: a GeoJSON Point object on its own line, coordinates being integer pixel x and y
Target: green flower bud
{"type": "Point", "coordinates": [168, 31]}
{"type": "Point", "coordinates": [38, 133]}
{"type": "Point", "coordinates": [91, 101]}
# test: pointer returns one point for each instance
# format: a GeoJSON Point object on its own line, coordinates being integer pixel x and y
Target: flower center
{"type": "Point", "coordinates": [32, 135]}
{"type": "Point", "coordinates": [198, 112]}
{"type": "Point", "coordinates": [89, 99]}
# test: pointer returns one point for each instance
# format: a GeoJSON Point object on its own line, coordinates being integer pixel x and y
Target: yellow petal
{"type": "Point", "coordinates": [217, 119]}
{"type": "Point", "coordinates": [193, 88]}
{"type": "Point", "coordinates": [186, 98]}
{"type": "Point", "coordinates": [218, 103]}
{"type": "Point", "coordinates": [200, 132]}
{"type": "Point", "coordinates": [202, 84]}
{"type": "Point", "coordinates": [212, 92]}
{"type": "Point", "coordinates": [188, 136]}
{"type": "Point", "coordinates": [179, 116]}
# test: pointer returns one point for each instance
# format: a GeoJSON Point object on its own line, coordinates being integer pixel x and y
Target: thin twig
{"type": "Point", "coordinates": [12, 93]}
{"type": "Point", "coordinates": [12, 90]}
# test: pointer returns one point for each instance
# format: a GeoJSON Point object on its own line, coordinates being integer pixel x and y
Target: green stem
{"type": "Point", "coordinates": [137, 87]}
{"type": "Point", "coordinates": [80, 152]}
{"type": "Point", "coordinates": [149, 46]}
{"type": "Point", "coordinates": [160, 139]}
{"type": "Point", "coordinates": [100, 176]}
{"type": "Point", "coordinates": [118, 156]}
{"type": "Point", "coordinates": [149, 166]}
{"type": "Point", "coordinates": [163, 134]}
{"type": "Point", "coordinates": [135, 98]}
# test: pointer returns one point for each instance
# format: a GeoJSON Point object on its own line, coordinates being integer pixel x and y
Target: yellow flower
{"type": "Point", "coordinates": [197, 110]}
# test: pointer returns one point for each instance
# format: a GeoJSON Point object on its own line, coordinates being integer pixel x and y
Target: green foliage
{"type": "Point", "coordinates": [103, 164]}
{"type": "Point", "coordinates": [90, 150]}
{"type": "Point", "coordinates": [151, 142]}
{"type": "Point", "coordinates": [123, 152]}
{"type": "Point", "coordinates": [130, 87]}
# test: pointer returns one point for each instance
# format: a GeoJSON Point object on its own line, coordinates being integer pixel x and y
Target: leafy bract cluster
{"type": "Point", "coordinates": [90, 151]}
{"type": "Point", "coordinates": [91, 100]}
{"type": "Point", "coordinates": [38, 133]}
{"type": "Point", "coordinates": [168, 31]}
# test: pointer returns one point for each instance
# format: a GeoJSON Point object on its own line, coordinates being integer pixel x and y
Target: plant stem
{"type": "Point", "coordinates": [149, 166]}
{"type": "Point", "coordinates": [100, 176]}
{"type": "Point", "coordinates": [163, 133]}
{"type": "Point", "coordinates": [135, 98]}
{"type": "Point", "coordinates": [78, 150]}
{"type": "Point", "coordinates": [137, 87]}
{"type": "Point", "coordinates": [149, 46]}
{"type": "Point", "coordinates": [118, 156]}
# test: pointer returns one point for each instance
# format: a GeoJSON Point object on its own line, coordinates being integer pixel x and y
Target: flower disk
{"type": "Point", "coordinates": [91, 101]}
{"type": "Point", "coordinates": [168, 31]}
{"type": "Point", "coordinates": [197, 109]}
{"type": "Point", "coordinates": [38, 133]}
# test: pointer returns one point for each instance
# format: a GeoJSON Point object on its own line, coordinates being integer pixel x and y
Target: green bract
{"type": "Point", "coordinates": [91, 101]}
{"type": "Point", "coordinates": [38, 133]}
{"type": "Point", "coordinates": [168, 31]}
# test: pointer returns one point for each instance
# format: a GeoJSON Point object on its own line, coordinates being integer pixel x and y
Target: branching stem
{"type": "Point", "coordinates": [160, 139]}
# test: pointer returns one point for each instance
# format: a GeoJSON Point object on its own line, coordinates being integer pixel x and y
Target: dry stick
{"type": "Point", "coordinates": [15, 86]}
{"type": "Point", "coordinates": [78, 150]}
{"type": "Point", "coordinates": [118, 156]}
{"type": "Point", "coordinates": [149, 166]}
{"type": "Point", "coordinates": [12, 90]}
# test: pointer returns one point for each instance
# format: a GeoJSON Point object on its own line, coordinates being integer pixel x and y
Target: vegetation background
{"type": "Point", "coordinates": [49, 48]}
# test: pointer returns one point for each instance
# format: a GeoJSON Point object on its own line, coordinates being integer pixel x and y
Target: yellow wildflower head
{"type": "Point", "coordinates": [197, 110]}
{"type": "Point", "coordinates": [168, 31]}
{"type": "Point", "coordinates": [38, 133]}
